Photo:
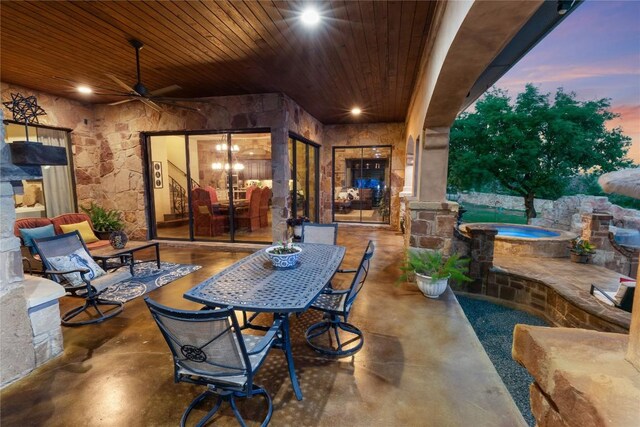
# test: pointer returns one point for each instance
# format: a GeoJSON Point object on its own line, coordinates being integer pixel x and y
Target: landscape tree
{"type": "Point", "coordinates": [533, 147]}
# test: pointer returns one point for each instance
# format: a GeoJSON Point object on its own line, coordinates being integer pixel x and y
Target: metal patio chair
{"type": "Point", "coordinates": [209, 349]}
{"type": "Point", "coordinates": [66, 246]}
{"type": "Point", "coordinates": [336, 305]}
{"type": "Point", "coordinates": [319, 233]}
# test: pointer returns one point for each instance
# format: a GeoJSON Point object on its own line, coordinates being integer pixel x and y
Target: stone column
{"type": "Point", "coordinates": [430, 225]}
{"type": "Point", "coordinates": [281, 174]}
{"type": "Point", "coordinates": [432, 218]}
{"type": "Point", "coordinates": [482, 244]}
{"type": "Point", "coordinates": [16, 341]}
{"type": "Point", "coordinates": [433, 165]}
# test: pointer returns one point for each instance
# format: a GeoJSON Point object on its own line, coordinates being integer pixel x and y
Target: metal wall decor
{"type": "Point", "coordinates": [157, 175]}
{"type": "Point", "coordinates": [25, 110]}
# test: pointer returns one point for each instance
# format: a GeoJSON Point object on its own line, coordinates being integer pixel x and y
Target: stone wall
{"type": "Point", "coordinates": [561, 214]}
{"type": "Point", "coordinates": [358, 135]}
{"type": "Point", "coordinates": [108, 149]}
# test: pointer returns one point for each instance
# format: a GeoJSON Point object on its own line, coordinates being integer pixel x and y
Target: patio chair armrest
{"type": "Point", "coordinates": [603, 293]}
{"type": "Point", "coordinates": [267, 339]}
{"type": "Point", "coordinates": [82, 271]}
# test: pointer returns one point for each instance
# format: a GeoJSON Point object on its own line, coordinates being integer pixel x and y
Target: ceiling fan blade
{"type": "Point", "coordinates": [150, 104]}
{"type": "Point", "coordinates": [164, 90]}
{"type": "Point", "coordinates": [184, 107]}
{"type": "Point", "coordinates": [122, 102]}
{"type": "Point", "coordinates": [122, 84]}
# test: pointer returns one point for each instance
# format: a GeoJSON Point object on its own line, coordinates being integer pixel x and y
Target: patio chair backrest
{"type": "Point", "coordinates": [319, 233]}
{"type": "Point", "coordinates": [59, 245]}
{"type": "Point", "coordinates": [361, 275]}
{"type": "Point", "coordinates": [205, 342]}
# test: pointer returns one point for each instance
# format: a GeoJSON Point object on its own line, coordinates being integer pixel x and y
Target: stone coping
{"type": "Point", "coordinates": [583, 376]}
{"type": "Point", "coordinates": [39, 291]}
{"type": "Point", "coordinates": [564, 235]}
{"type": "Point", "coordinates": [570, 280]}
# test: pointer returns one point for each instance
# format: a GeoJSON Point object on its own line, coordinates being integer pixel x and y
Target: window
{"type": "Point", "coordinates": [53, 194]}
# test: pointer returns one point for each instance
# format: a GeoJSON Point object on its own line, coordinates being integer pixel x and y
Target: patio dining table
{"type": "Point", "coordinates": [253, 284]}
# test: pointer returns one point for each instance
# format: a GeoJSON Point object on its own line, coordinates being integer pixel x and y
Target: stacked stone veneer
{"type": "Point", "coordinates": [431, 225]}
{"type": "Point", "coordinates": [108, 148]}
{"type": "Point", "coordinates": [595, 229]}
{"type": "Point", "coordinates": [362, 135]}
{"type": "Point", "coordinates": [47, 334]}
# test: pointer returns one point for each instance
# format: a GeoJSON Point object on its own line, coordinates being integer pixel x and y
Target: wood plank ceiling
{"type": "Point", "coordinates": [363, 53]}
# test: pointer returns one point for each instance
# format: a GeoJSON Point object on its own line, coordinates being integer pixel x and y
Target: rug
{"type": "Point", "coordinates": [146, 278]}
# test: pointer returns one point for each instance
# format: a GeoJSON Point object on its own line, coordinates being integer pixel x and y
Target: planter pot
{"type": "Point", "coordinates": [297, 231]}
{"type": "Point", "coordinates": [579, 258]}
{"type": "Point", "coordinates": [103, 235]}
{"type": "Point", "coordinates": [283, 260]}
{"type": "Point", "coordinates": [118, 239]}
{"type": "Point", "coordinates": [431, 289]}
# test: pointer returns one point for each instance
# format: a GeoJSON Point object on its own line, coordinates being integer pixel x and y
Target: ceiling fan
{"type": "Point", "coordinates": [139, 92]}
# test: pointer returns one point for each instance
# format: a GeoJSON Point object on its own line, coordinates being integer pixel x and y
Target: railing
{"type": "Point", "coordinates": [194, 183]}
{"type": "Point", "coordinates": [178, 198]}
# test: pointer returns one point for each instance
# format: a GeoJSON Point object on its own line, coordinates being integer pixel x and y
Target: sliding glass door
{"type": "Point", "coordinates": [303, 159]}
{"type": "Point", "coordinates": [361, 184]}
{"type": "Point", "coordinates": [214, 186]}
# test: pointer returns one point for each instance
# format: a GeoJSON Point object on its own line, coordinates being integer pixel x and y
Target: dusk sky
{"type": "Point", "coordinates": [594, 52]}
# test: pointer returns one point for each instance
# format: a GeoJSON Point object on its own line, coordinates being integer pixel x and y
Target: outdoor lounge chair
{"type": "Point", "coordinates": [336, 305]}
{"type": "Point", "coordinates": [319, 233]}
{"type": "Point", "coordinates": [67, 261]}
{"type": "Point", "coordinates": [209, 349]}
{"type": "Point", "coordinates": [621, 298]}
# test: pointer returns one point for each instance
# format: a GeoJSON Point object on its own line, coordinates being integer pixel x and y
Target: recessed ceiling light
{"type": "Point", "coordinates": [85, 89]}
{"type": "Point", "coordinates": [310, 17]}
{"type": "Point", "coordinates": [356, 111]}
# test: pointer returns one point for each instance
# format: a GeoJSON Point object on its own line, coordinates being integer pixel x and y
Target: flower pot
{"type": "Point", "coordinates": [103, 235]}
{"type": "Point", "coordinates": [430, 288]}
{"type": "Point", "coordinates": [580, 258]}
{"type": "Point", "coordinates": [283, 260]}
{"type": "Point", "coordinates": [118, 239]}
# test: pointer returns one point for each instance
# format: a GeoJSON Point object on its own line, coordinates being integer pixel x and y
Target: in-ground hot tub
{"type": "Point", "coordinates": [526, 240]}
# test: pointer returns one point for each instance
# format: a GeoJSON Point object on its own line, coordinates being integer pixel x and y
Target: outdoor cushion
{"type": "Point", "coordinates": [28, 234]}
{"type": "Point", "coordinates": [83, 228]}
{"type": "Point", "coordinates": [77, 259]}
{"type": "Point", "coordinates": [622, 290]}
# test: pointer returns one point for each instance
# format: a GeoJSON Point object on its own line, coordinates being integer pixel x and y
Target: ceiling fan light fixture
{"type": "Point", "coordinates": [356, 111]}
{"type": "Point", "coordinates": [84, 89]}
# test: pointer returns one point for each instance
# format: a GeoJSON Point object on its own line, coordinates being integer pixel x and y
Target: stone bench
{"type": "Point", "coordinates": [42, 303]}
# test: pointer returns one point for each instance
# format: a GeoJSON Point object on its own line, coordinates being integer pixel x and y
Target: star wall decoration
{"type": "Point", "coordinates": [25, 109]}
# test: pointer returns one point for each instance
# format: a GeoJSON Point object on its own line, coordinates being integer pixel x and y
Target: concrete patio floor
{"type": "Point", "coordinates": [421, 364]}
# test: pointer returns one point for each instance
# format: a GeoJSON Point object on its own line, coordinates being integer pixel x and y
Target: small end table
{"type": "Point", "coordinates": [126, 254]}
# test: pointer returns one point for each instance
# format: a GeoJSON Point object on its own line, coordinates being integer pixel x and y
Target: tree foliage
{"type": "Point", "coordinates": [534, 146]}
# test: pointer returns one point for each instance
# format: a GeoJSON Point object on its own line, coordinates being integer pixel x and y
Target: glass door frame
{"type": "Point", "coordinates": [333, 183]}
{"type": "Point", "coordinates": [145, 138]}
{"type": "Point", "coordinates": [294, 200]}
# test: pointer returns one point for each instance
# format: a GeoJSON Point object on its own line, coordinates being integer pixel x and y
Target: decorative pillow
{"type": "Point", "coordinates": [83, 228]}
{"type": "Point", "coordinates": [77, 259]}
{"type": "Point", "coordinates": [203, 209]}
{"type": "Point", "coordinates": [28, 234]}
{"type": "Point", "coordinates": [354, 193]}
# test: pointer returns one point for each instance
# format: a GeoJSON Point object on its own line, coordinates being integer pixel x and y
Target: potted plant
{"type": "Point", "coordinates": [581, 250]}
{"type": "Point", "coordinates": [296, 224]}
{"type": "Point", "coordinates": [284, 254]}
{"type": "Point", "coordinates": [433, 271]}
{"type": "Point", "coordinates": [108, 224]}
